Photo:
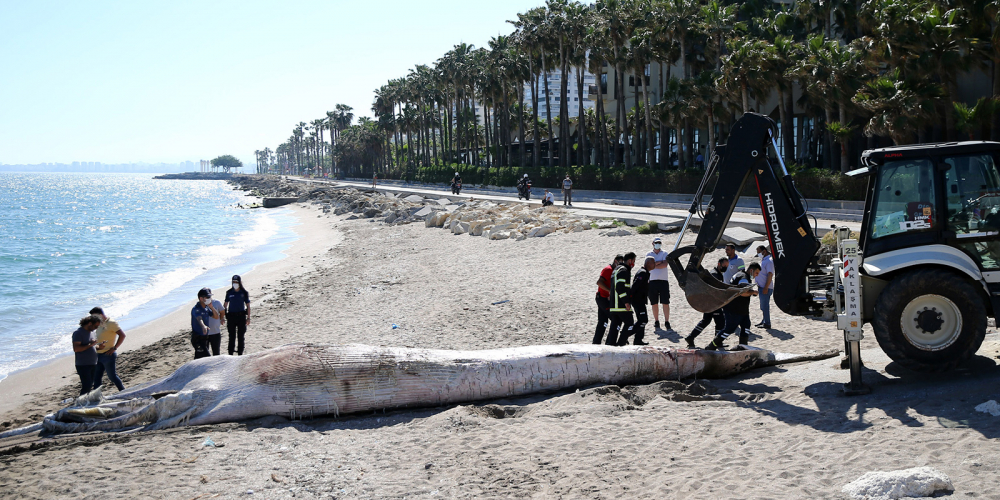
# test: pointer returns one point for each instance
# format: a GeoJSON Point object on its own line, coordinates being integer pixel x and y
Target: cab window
{"type": "Point", "coordinates": [904, 198]}
{"type": "Point", "coordinates": [973, 191]}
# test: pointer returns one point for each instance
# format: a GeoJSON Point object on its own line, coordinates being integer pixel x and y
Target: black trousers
{"type": "Point", "coordinates": [623, 318]}
{"type": "Point", "coordinates": [737, 323]}
{"type": "Point", "coordinates": [639, 328]}
{"type": "Point", "coordinates": [720, 323]}
{"type": "Point", "coordinates": [200, 344]}
{"type": "Point", "coordinates": [236, 323]}
{"type": "Point", "coordinates": [215, 342]}
{"type": "Point", "coordinates": [603, 304]}
{"type": "Point", "coordinates": [86, 373]}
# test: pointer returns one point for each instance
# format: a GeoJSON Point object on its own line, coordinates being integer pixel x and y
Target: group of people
{"type": "Point", "coordinates": [619, 295]}
{"type": "Point", "coordinates": [95, 347]}
{"type": "Point", "coordinates": [97, 340]}
{"type": "Point", "coordinates": [208, 316]}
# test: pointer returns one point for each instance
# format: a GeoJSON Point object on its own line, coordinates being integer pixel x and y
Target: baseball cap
{"type": "Point", "coordinates": [205, 292]}
{"type": "Point", "coordinates": [657, 240]}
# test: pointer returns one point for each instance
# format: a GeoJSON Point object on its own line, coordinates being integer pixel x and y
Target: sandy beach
{"type": "Point", "coordinates": [782, 432]}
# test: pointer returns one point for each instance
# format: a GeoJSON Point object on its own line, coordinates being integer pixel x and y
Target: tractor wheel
{"type": "Point", "coordinates": [930, 320]}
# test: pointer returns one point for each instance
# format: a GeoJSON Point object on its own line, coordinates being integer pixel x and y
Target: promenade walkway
{"type": "Point", "coordinates": [629, 207]}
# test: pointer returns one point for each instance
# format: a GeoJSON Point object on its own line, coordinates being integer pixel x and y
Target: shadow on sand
{"type": "Point", "coordinates": [949, 398]}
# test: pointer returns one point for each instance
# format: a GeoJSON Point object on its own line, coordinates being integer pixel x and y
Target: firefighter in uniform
{"type": "Point", "coordinates": [640, 287]}
{"type": "Point", "coordinates": [738, 311]}
{"type": "Point", "coordinates": [717, 315]}
{"type": "Point", "coordinates": [621, 298]}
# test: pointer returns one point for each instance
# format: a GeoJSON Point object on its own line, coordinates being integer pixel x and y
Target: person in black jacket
{"type": "Point", "coordinates": [640, 287]}
{"type": "Point", "coordinates": [237, 307]}
{"type": "Point", "coordinates": [717, 315]}
{"type": "Point", "coordinates": [621, 297]}
{"type": "Point", "coordinates": [738, 310]}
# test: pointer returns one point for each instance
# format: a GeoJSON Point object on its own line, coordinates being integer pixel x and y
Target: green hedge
{"type": "Point", "coordinates": [812, 183]}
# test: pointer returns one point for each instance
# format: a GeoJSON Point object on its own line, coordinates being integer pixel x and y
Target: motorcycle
{"type": "Point", "coordinates": [524, 190]}
{"type": "Point", "coordinates": [456, 187]}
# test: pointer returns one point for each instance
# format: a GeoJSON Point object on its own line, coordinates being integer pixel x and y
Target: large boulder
{"type": "Point", "coordinates": [617, 232]}
{"type": "Point", "coordinates": [540, 231]}
{"type": "Point", "coordinates": [499, 235]}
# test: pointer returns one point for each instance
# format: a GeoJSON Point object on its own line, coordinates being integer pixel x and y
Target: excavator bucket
{"type": "Point", "coordinates": [707, 294]}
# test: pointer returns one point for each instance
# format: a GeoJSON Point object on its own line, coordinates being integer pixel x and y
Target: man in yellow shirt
{"type": "Point", "coordinates": [112, 337]}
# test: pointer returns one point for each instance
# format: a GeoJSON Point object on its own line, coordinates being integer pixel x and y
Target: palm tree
{"type": "Point", "coordinates": [900, 107]}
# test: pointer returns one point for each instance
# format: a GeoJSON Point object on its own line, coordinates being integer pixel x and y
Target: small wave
{"type": "Point", "coordinates": [206, 259]}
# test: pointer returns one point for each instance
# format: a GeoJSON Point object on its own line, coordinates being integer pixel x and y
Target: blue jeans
{"type": "Point", "coordinates": [765, 305]}
{"type": "Point", "coordinates": [106, 364]}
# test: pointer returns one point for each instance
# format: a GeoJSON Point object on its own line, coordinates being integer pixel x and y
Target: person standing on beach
{"type": "Point", "coordinates": [716, 315]}
{"type": "Point", "coordinates": [640, 289]}
{"type": "Point", "coordinates": [215, 324]}
{"type": "Point", "coordinates": [84, 347]}
{"type": "Point", "coordinates": [567, 191]}
{"type": "Point", "coordinates": [107, 356]}
{"type": "Point", "coordinates": [237, 308]}
{"type": "Point", "coordinates": [374, 182]}
{"type": "Point", "coordinates": [738, 310]}
{"type": "Point", "coordinates": [765, 285]}
{"type": "Point", "coordinates": [603, 300]}
{"type": "Point", "coordinates": [200, 316]}
{"type": "Point", "coordinates": [659, 287]}
{"type": "Point", "coordinates": [621, 298]}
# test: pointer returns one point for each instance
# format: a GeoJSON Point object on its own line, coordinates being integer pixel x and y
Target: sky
{"type": "Point", "coordinates": [128, 81]}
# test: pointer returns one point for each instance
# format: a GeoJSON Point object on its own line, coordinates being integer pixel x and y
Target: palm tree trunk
{"type": "Point", "coordinates": [536, 143]}
{"type": "Point", "coordinates": [520, 118]}
{"type": "Point", "coordinates": [581, 121]}
{"type": "Point", "coordinates": [844, 159]}
{"type": "Point", "coordinates": [650, 151]}
{"type": "Point", "coordinates": [788, 128]}
{"type": "Point", "coordinates": [828, 140]}
{"type": "Point", "coordinates": [600, 133]}
{"type": "Point", "coordinates": [564, 107]}
{"type": "Point", "coordinates": [623, 135]}
{"type": "Point", "coordinates": [783, 116]}
{"type": "Point", "coordinates": [711, 135]}
{"type": "Point", "coordinates": [995, 122]}
{"type": "Point", "coordinates": [745, 93]}
{"type": "Point", "coordinates": [681, 164]}
{"type": "Point", "coordinates": [548, 112]}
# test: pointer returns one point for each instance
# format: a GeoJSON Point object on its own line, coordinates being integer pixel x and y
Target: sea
{"type": "Point", "coordinates": [138, 247]}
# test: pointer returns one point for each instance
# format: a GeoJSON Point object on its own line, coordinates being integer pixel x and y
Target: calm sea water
{"type": "Point", "coordinates": [136, 246]}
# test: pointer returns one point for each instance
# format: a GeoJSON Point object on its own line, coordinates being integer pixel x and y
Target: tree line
{"type": "Point", "coordinates": [868, 73]}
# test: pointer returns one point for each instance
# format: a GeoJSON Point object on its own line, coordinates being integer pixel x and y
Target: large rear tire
{"type": "Point", "coordinates": [930, 320]}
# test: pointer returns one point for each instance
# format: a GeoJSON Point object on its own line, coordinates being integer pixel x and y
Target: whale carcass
{"type": "Point", "coordinates": [306, 380]}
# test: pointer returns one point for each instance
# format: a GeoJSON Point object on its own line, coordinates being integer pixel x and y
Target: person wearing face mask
{"type": "Point", "coordinates": [237, 315]}
{"type": "Point", "coordinates": [659, 287]}
{"type": "Point", "coordinates": [717, 315]}
{"type": "Point", "coordinates": [111, 336]}
{"type": "Point", "coordinates": [215, 324]}
{"type": "Point", "coordinates": [621, 297]}
{"type": "Point", "coordinates": [765, 284]}
{"type": "Point", "coordinates": [639, 292]}
{"type": "Point", "coordinates": [201, 314]}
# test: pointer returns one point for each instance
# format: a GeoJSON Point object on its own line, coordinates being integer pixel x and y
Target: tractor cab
{"type": "Point", "coordinates": [930, 242]}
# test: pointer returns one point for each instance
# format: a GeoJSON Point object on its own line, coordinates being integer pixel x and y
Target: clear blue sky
{"type": "Point", "coordinates": [130, 81]}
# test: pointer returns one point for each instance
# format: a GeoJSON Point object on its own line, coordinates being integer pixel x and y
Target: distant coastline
{"type": "Point", "coordinates": [197, 176]}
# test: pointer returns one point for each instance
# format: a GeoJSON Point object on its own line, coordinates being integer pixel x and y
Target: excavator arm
{"type": "Point", "coordinates": [792, 241]}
